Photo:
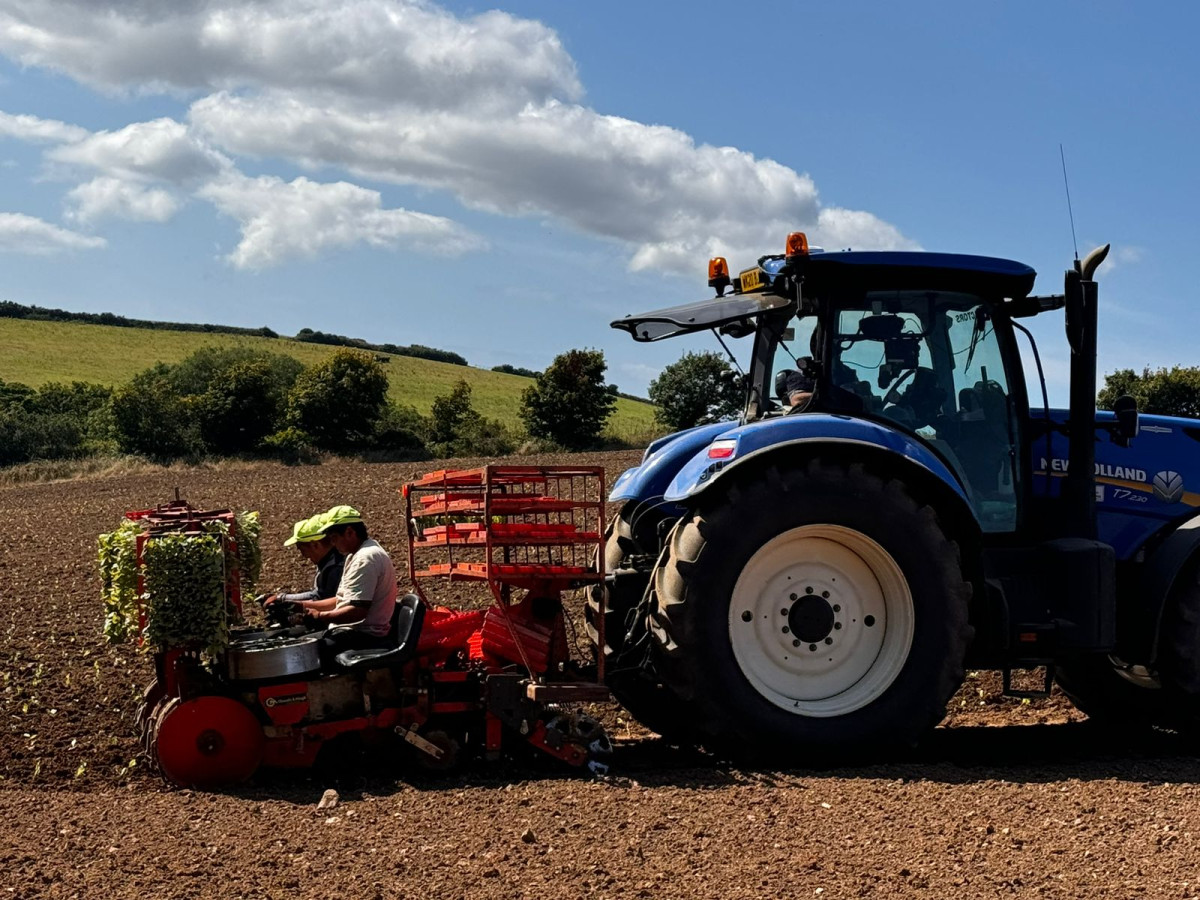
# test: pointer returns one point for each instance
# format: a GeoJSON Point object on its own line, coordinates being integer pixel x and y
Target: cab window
{"type": "Point", "coordinates": [930, 362]}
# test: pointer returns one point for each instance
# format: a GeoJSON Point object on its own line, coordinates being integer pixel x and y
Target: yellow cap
{"type": "Point", "coordinates": [338, 516]}
{"type": "Point", "coordinates": [307, 530]}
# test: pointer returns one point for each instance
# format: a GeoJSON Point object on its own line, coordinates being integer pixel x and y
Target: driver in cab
{"type": "Point", "coordinates": [794, 387]}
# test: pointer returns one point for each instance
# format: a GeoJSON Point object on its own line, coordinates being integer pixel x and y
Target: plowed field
{"type": "Point", "coordinates": [1008, 797]}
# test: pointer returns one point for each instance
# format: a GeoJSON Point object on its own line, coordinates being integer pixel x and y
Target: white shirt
{"type": "Point", "coordinates": [369, 580]}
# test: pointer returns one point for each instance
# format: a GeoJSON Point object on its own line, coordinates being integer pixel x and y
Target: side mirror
{"type": "Point", "coordinates": [1125, 429]}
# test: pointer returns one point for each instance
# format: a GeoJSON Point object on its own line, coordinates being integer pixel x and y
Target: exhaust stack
{"type": "Point", "coordinates": [1081, 320]}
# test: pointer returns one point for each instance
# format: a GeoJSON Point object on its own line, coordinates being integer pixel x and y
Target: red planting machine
{"type": "Point", "coordinates": [455, 683]}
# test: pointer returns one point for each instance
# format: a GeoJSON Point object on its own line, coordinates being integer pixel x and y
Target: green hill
{"type": "Point", "coordinates": [34, 353]}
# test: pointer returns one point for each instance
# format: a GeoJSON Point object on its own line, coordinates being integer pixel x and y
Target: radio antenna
{"type": "Point", "coordinates": [1070, 212]}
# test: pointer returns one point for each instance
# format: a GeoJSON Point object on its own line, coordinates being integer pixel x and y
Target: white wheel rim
{"type": "Point", "coordinates": [821, 620]}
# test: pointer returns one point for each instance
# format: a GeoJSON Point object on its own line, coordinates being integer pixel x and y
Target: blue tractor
{"type": "Point", "coordinates": [891, 509]}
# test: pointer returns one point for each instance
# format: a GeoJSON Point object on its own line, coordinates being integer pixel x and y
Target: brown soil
{"type": "Point", "coordinates": [1008, 797]}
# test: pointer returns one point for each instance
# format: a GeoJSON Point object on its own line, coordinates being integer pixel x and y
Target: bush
{"type": "Point", "coordinates": [1163, 392]}
{"type": "Point", "coordinates": [699, 387]}
{"type": "Point", "coordinates": [57, 421]}
{"type": "Point", "coordinates": [400, 433]}
{"type": "Point", "coordinates": [208, 367]}
{"type": "Point", "coordinates": [478, 436]}
{"type": "Point", "coordinates": [340, 400]}
{"type": "Point", "coordinates": [151, 418]}
{"type": "Point", "coordinates": [217, 400]}
{"type": "Point", "coordinates": [456, 429]}
{"type": "Point", "coordinates": [569, 403]}
{"type": "Point", "coordinates": [448, 412]}
{"type": "Point", "coordinates": [292, 446]}
{"type": "Point", "coordinates": [240, 409]}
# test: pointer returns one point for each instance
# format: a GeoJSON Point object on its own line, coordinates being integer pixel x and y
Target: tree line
{"type": "Point", "coordinates": [248, 402]}
{"type": "Point", "coordinates": [11, 310]}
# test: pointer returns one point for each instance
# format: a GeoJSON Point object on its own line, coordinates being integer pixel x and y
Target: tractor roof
{"type": "Point", "coordinates": [986, 276]}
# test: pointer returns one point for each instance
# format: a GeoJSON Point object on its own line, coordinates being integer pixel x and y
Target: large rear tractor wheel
{"type": "Point", "coordinates": [1179, 654]}
{"type": "Point", "coordinates": [1115, 696]}
{"type": "Point", "coordinates": [636, 688]}
{"type": "Point", "coordinates": [813, 614]}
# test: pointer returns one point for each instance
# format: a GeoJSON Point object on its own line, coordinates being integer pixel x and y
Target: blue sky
{"type": "Point", "coordinates": [504, 182]}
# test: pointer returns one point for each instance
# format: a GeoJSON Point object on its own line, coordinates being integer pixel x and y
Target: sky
{"type": "Point", "coordinates": [504, 182]}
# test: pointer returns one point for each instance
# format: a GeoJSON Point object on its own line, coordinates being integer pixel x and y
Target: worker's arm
{"type": "Point", "coordinates": [341, 615]}
{"type": "Point", "coordinates": [312, 606]}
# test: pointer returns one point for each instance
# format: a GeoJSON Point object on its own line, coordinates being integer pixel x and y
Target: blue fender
{"type": "Point", "coordinates": [740, 445]}
{"type": "Point", "coordinates": [662, 460]}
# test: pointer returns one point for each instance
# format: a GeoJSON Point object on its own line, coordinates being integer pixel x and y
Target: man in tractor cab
{"type": "Point", "coordinates": [359, 614]}
{"type": "Point", "coordinates": [317, 547]}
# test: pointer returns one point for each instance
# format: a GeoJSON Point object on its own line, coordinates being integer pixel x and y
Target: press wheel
{"type": "Point", "coordinates": [208, 742]}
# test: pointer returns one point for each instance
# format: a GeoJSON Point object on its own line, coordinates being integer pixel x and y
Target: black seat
{"type": "Point", "coordinates": [405, 632]}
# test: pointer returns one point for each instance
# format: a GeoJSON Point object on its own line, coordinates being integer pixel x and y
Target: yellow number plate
{"type": "Point", "coordinates": [751, 279]}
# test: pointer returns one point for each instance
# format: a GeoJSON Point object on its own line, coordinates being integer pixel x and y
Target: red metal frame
{"type": "Point", "coordinates": [539, 529]}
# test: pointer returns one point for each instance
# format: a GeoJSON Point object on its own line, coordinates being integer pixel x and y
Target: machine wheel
{"type": "Point", "coordinates": [815, 612]}
{"type": "Point", "coordinates": [451, 753]}
{"type": "Point", "coordinates": [586, 733]}
{"type": "Point", "coordinates": [643, 695]}
{"type": "Point", "coordinates": [208, 742]}
{"type": "Point", "coordinates": [1179, 653]}
{"type": "Point", "coordinates": [1113, 696]}
{"type": "Point", "coordinates": [152, 693]}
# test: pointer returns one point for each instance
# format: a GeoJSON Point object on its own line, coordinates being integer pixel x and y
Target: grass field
{"type": "Point", "coordinates": [35, 353]}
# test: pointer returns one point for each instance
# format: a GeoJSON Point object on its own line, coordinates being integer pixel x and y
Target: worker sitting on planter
{"type": "Point", "coordinates": [359, 614]}
{"type": "Point", "coordinates": [317, 547]}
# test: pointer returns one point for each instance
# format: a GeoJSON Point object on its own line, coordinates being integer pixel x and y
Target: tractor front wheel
{"type": "Point", "coordinates": [815, 613]}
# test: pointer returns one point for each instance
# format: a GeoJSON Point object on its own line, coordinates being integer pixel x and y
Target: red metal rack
{"type": "Point", "coordinates": [180, 517]}
{"type": "Point", "coordinates": [536, 529]}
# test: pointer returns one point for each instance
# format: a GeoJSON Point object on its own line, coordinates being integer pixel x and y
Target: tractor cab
{"type": "Point", "coordinates": [921, 343]}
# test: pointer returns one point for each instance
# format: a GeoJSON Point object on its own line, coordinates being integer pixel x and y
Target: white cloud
{"type": "Point", "coordinates": [649, 186]}
{"type": "Point", "coordinates": [386, 50]}
{"type": "Point", "coordinates": [20, 233]}
{"type": "Point", "coordinates": [162, 149]}
{"type": "Point", "coordinates": [31, 128]}
{"type": "Point", "coordinates": [485, 107]}
{"type": "Point", "coordinates": [106, 197]}
{"type": "Point", "coordinates": [299, 219]}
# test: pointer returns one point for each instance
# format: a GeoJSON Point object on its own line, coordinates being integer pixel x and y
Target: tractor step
{"type": "Point", "coordinates": [1048, 683]}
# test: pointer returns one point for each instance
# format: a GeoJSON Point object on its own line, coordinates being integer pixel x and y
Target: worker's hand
{"type": "Point", "coordinates": [270, 600]}
{"type": "Point", "coordinates": [311, 622]}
